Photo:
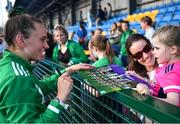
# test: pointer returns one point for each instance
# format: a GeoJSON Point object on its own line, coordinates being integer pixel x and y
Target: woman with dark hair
{"type": "Point", "coordinates": [142, 61]}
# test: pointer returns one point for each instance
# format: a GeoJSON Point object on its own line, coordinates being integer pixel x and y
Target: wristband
{"type": "Point", "coordinates": [63, 71]}
{"type": "Point", "coordinates": [65, 106]}
{"type": "Point", "coordinates": [70, 62]}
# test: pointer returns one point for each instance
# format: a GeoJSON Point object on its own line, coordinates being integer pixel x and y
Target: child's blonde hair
{"type": "Point", "coordinates": [169, 35]}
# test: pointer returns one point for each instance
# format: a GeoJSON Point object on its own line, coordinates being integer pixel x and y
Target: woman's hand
{"type": "Point", "coordinates": [134, 73]}
{"type": "Point", "coordinates": [77, 67]}
{"type": "Point", "coordinates": [64, 86]}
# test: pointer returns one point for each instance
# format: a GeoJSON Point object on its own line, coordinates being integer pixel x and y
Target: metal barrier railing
{"type": "Point", "coordinates": [116, 107]}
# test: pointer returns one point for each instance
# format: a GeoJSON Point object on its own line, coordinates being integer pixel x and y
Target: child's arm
{"type": "Point", "coordinates": [172, 98]}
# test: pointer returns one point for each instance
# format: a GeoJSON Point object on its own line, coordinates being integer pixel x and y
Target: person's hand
{"type": "Point", "coordinates": [77, 67]}
{"type": "Point", "coordinates": [64, 85]}
{"type": "Point", "coordinates": [134, 73]}
{"type": "Point", "coordinates": [142, 89]}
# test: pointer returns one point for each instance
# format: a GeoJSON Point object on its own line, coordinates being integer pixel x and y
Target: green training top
{"type": "Point", "coordinates": [104, 62]}
{"type": "Point", "coordinates": [76, 51]}
{"type": "Point", "coordinates": [123, 39]}
{"type": "Point", "coordinates": [22, 95]}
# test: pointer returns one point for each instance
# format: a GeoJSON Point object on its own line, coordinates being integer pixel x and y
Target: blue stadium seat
{"type": "Point", "coordinates": [141, 31]}
{"type": "Point", "coordinates": [162, 10]}
{"type": "Point", "coordinates": [170, 4]}
{"type": "Point", "coordinates": [159, 17]}
{"type": "Point", "coordinates": [177, 12]}
{"type": "Point", "coordinates": [174, 22]}
{"type": "Point", "coordinates": [163, 23]}
{"type": "Point", "coordinates": [171, 9]}
{"type": "Point", "coordinates": [176, 16]}
{"type": "Point", "coordinates": [178, 7]}
{"type": "Point", "coordinates": [167, 17]}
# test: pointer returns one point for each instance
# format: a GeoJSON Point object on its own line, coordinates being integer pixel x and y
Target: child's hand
{"type": "Point", "coordinates": [142, 89]}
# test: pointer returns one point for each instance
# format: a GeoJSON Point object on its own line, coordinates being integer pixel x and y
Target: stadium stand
{"type": "Point", "coordinates": [161, 15]}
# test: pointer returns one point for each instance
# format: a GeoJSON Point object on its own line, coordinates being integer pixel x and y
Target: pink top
{"type": "Point", "coordinates": [168, 78]}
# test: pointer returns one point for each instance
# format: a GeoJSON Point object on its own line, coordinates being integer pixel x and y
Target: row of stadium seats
{"type": "Point", "coordinates": [161, 15]}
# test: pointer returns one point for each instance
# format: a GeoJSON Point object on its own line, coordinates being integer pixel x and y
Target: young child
{"type": "Point", "coordinates": [101, 49]}
{"type": "Point", "coordinates": [166, 42]}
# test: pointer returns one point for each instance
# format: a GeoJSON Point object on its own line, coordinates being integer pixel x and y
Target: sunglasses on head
{"type": "Point", "coordinates": [139, 54]}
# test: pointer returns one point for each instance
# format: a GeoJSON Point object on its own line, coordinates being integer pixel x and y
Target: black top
{"type": "Point", "coordinates": [64, 57]}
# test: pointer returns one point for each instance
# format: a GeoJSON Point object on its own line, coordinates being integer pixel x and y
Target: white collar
{"type": "Point", "coordinates": [59, 45]}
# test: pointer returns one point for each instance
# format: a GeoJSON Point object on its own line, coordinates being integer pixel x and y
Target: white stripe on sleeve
{"type": "Point", "coordinates": [172, 87]}
{"type": "Point", "coordinates": [14, 68]}
{"type": "Point", "coordinates": [18, 68]}
{"type": "Point", "coordinates": [21, 67]}
{"type": "Point", "coordinates": [54, 109]}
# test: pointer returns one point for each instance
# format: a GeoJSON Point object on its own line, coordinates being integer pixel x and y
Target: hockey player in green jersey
{"type": "Point", "coordinates": [21, 94]}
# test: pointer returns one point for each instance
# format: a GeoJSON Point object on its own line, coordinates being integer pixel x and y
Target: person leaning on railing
{"type": "Point", "coordinates": [22, 95]}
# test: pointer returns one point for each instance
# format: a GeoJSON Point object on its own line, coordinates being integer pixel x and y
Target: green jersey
{"type": "Point", "coordinates": [123, 39]}
{"type": "Point", "coordinates": [22, 95]}
{"type": "Point", "coordinates": [104, 62]}
{"type": "Point", "coordinates": [76, 51]}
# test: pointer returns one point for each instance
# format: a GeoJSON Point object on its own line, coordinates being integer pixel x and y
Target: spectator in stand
{"type": "Point", "coordinates": [109, 11]}
{"type": "Point", "coordinates": [67, 51]}
{"type": "Point", "coordinates": [101, 49]}
{"type": "Point", "coordinates": [119, 25]}
{"type": "Point", "coordinates": [126, 33]}
{"type": "Point", "coordinates": [81, 33]}
{"type": "Point", "coordinates": [114, 38]}
{"type": "Point", "coordinates": [105, 13]}
{"type": "Point", "coordinates": [100, 15]}
{"type": "Point", "coordinates": [81, 20]}
{"type": "Point", "coordinates": [146, 24]}
{"type": "Point", "coordinates": [90, 18]}
{"type": "Point", "coordinates": [114, 33]}
{"type": "Point", "coordinates": [92, 34]}
{"type": "Point", "coordinates": [98, 31]}
{"type": "Point", "coordinates": [71, 35]}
